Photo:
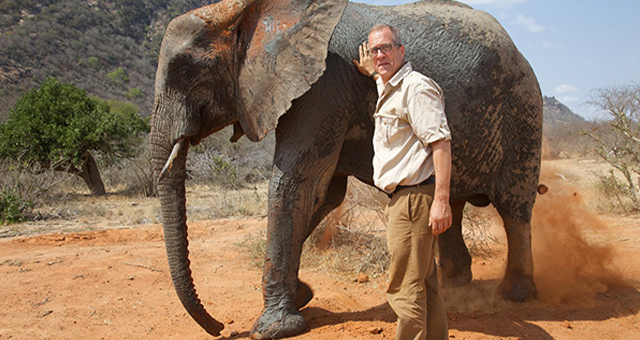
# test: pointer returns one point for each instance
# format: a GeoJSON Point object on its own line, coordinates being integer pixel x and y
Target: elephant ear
{"type": "Point", "coordinates": [285, 44]}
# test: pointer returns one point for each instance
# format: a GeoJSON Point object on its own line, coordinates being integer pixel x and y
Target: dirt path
{"type": "Point", "coordinates": [114, 284]}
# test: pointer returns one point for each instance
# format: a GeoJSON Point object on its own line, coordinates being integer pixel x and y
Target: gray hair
{"type": "Point", "coordinates": [395, 32]}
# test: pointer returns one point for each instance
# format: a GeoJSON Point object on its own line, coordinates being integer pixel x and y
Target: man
{"type": "Point", "coordinates": [411, 145]}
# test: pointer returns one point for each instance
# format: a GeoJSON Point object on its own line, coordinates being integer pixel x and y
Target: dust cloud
{"type": "Point", "coordinates": [573, 259]}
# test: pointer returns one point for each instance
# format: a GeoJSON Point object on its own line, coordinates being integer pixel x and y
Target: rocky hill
{"type": "Point", "coordinates": [555, 113]}
{"type": "Point", "coordinates": [107, 47]}
{"type": "Point", "coordinates": [562, 131]}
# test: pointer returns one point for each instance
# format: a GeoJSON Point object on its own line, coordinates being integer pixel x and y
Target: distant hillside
{"type": "Point", "coordinates": [562, 131]}
{"type": "Point", "coordinates": [107, 47]}
{"type": "Point", "coordinates": [555, 113]}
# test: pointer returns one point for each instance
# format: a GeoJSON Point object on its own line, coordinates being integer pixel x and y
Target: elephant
{"type": "Point", "coordinates": [287, 66]}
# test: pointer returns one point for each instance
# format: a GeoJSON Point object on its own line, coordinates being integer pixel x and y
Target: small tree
{"type": "Point", "coordinates": [59, 127]}
{"type": "Point", "coordinates": [620, 147]}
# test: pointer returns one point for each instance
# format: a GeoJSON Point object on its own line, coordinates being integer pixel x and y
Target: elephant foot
{"type": "Point", "coordinates": [304, 294]}
{"type": "Point", "coordinates": [518, 289]}
{"type": "Point", "coordinates": [454, 274]}
{"type": "Point", "coordinates": [278, 323]}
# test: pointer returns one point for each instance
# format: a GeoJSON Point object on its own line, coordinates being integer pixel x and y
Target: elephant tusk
{"type": "Point", "coordinates": [174, 153]}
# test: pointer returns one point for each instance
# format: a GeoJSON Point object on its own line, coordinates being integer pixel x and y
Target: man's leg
{"type": "Point", "coordinates": [411, 246]}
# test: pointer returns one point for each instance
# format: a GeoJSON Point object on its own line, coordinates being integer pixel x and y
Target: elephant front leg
{"type": "Point", "coordinates": [283, 293]}
{"type": "Point", "coordinates": [518, 284]}
{"type": "Point", "coordinates": [290, 223]}
{"type": "Point", "coordinates": [455, 261]}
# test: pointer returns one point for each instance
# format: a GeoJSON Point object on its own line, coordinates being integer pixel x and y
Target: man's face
{"type": "Point", "coordinates": [386, 64]}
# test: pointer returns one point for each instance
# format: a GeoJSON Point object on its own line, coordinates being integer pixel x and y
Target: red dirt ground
{"type": "Point", "coordinates": [115, 284]}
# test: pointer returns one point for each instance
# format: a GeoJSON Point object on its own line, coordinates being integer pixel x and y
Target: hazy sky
{"type": "Point", "coordinates": [573, 46]}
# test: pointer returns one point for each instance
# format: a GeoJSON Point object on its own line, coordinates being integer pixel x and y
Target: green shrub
{"type": "Point", "coordinates": [94, 62]}
{"type": "Point", "coordinates": [13, 208]}
{"type": "Point", "coordinates": [134, 93]}
{"type": "Point", "coordinates": [118, 76]}
{"type": "Point", "coordinates": [60, 127]}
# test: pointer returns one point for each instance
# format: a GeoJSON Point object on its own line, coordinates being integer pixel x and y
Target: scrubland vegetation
{"type": "Point", "coordinates": [229, 180]}
{"type": "Point", "coordinates": [108, 48]}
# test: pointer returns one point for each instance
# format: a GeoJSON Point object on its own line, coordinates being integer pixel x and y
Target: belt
{"type": "Point", "coordinates": [430, 180]}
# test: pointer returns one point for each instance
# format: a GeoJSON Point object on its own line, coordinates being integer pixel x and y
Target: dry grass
{"type": "Point", "coordinates": [352, 239]}
{"type": "Point", "coordinates": [206, 202]}
{"type": "Point", "coordinates": [566, 141]}
{"type": "Point", "coordinates": [130, 177]}
{"type": "Point", "coordinates": [617, 193]}
{"type": "Point", "coordinates": [347, 241]}
{"type": "Point", "coordinates": [81, 211]}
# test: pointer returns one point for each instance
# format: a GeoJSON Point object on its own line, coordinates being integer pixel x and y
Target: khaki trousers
{"type": "Point", "coordinates": [413, 292]}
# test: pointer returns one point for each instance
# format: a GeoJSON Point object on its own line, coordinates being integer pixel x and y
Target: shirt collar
{"type": "Point", "coordinates": [402, 73]}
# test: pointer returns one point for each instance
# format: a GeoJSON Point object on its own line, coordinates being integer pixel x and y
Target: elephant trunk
{"type": "Point", "coordinates": [171, 191]}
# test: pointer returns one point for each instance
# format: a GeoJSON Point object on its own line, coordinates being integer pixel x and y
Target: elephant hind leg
{"type": "Point", "coordinates": [517, 284]}
{"type": "Point", "coordinates": [455, 261]}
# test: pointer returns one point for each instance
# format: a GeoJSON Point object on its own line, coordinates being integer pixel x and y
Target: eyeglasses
{"type": "Point", "coordinates": [384, 48]}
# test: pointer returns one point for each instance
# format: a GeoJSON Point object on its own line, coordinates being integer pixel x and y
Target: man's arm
{"type": "Point", "coordinates": [440, 215]}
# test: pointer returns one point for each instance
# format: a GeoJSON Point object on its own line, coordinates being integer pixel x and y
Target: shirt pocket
{"type": "Point", "coordinates": [389, 129]}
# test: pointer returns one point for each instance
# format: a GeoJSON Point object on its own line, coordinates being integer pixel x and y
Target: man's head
{"type": "Point", "coordinates": [387, 50]}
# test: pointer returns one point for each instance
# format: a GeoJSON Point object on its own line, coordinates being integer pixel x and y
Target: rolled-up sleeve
{"type": "Point", "coordinates": [425, 112]}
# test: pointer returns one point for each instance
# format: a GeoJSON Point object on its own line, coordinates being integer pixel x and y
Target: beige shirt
{"type": "Point", "coordinates": [409, 116]}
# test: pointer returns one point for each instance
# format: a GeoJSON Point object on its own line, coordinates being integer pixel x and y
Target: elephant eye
{"type": "Point", "coordinates": [186, 74]}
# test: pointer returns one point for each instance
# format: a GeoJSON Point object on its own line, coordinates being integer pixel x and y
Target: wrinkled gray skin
{"type": "Point", "coordinates": [225, 68]}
